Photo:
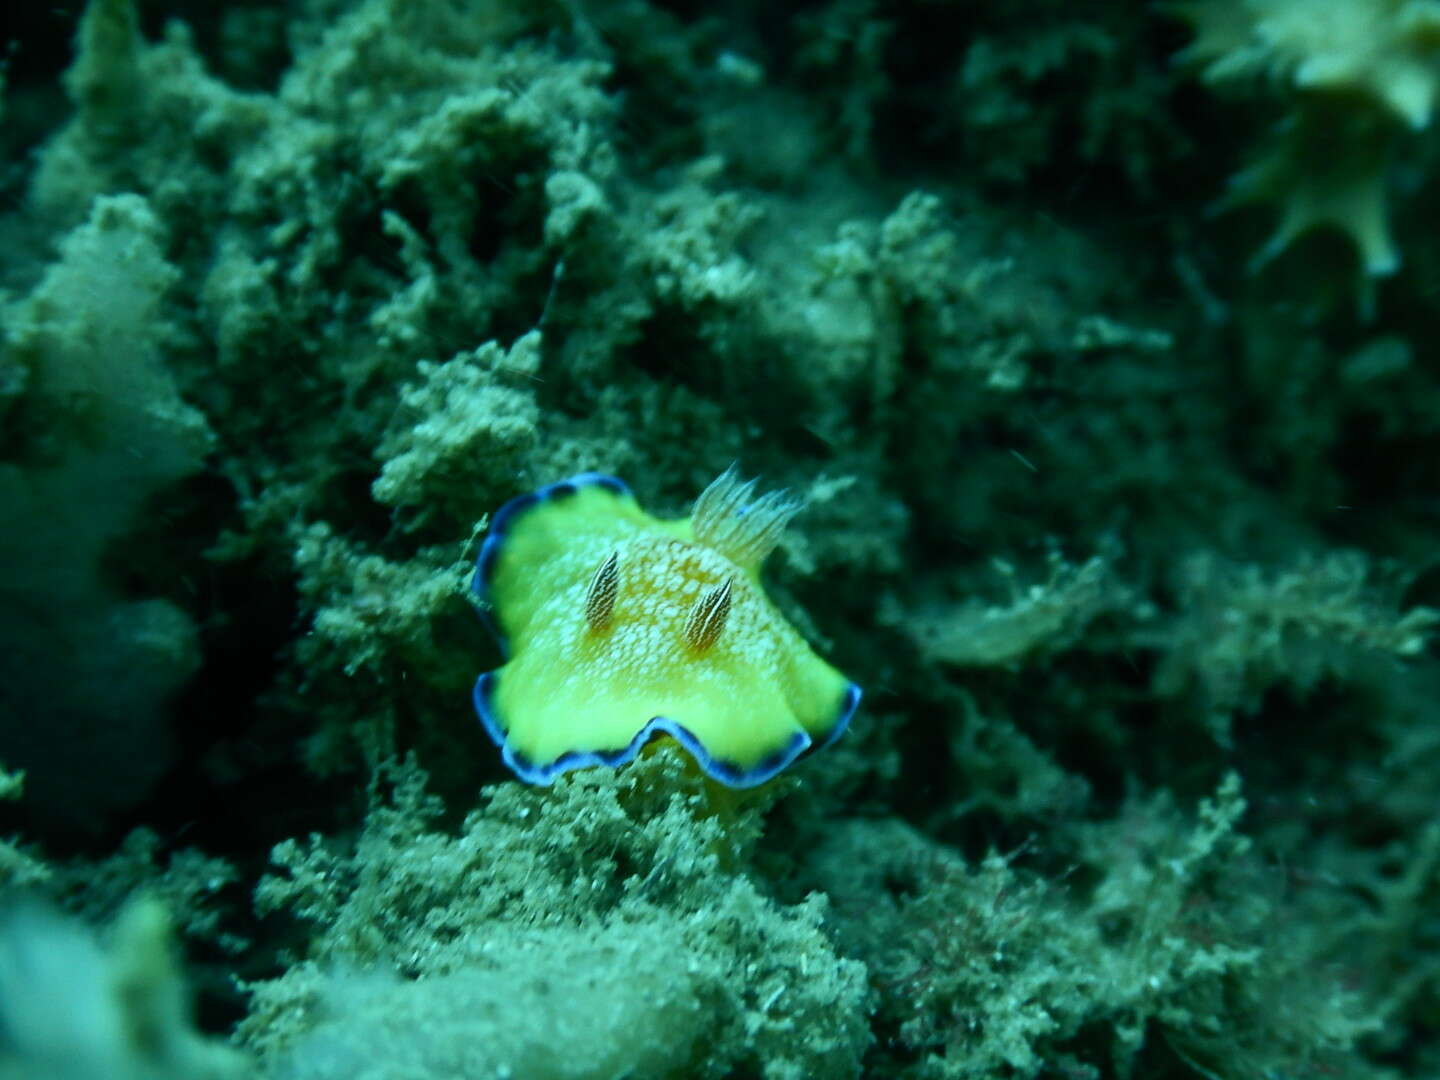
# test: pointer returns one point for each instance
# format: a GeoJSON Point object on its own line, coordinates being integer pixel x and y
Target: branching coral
{"type": "Point", "coordinates": [1351, 75]}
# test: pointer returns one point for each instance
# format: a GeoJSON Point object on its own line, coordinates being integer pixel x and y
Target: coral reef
{"type": "Point", "coordinates": [95, 430]}
{"type": "Point", "coordinates": [1181, 938]}
{"type": "Point", "coordinates": [480, 953]}
{"type": "Point", "coordinates": [1352, 77]}
{"type": "Point", "coordinates": [75, 1011]}
{"type": "Point", "coordinates": [1132, 549]}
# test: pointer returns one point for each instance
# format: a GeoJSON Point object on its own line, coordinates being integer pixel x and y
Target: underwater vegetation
{"type": "Point", "coordinates": [326, 328]}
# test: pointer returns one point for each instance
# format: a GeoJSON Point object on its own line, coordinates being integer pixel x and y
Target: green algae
{"type": "Point", "coordinates": [1132, 552]}
{"type": "Point", "coordinates": [634, 914]}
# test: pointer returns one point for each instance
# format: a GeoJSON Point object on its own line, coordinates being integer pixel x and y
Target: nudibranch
{"type": "Point", "coordinates": [620, 628]}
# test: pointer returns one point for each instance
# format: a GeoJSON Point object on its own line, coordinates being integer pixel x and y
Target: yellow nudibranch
{"type": "Point", "coordinates": [621, 628]}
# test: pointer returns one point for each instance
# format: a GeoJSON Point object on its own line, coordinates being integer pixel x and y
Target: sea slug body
{"type": "Point", "coordinates": [621, 628]}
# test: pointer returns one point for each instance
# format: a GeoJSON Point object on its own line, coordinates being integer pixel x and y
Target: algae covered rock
{"type": "Point", "coordinates": [603, 927]}
{"type": "Point", "coordinates": [76, 1010]}
{"type": "Point", "coordinates": [98, 429]}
